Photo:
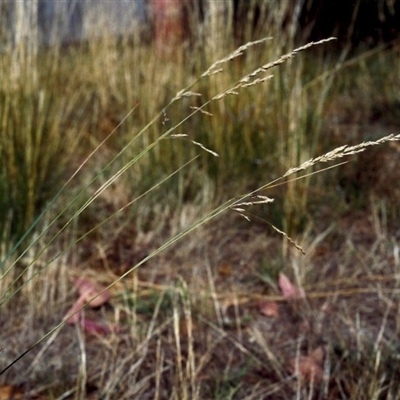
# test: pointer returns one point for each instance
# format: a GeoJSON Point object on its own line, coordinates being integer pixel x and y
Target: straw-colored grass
{"type": "Point", "coordinates": [158, 180]}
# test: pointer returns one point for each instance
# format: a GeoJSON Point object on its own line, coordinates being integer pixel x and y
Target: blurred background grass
{"type": "Point", "coordinates": [58, 102]}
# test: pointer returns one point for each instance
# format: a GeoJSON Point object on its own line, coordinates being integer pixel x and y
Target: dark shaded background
{"type": "Point", "coordinates": [357, 22]}
{"type": "Point", "coordinates": [363, 21]}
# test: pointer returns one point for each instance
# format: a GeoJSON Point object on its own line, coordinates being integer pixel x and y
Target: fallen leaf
{"type": "Point", "coordinates": [307, 367]}
{"type": "Point", "coordinates": [73, 315]}
{"type": "Point", "coordinates": [287, 288]}
{"type": "Point", "coordinates": [88, 290]}
{"type": "Point", "coordinates": [8, 392]}
{"type": "Point", "coordinates": [318, 354]}
{"type": "Point", "coordinates": [185, 329]}
{"type": "Point", "coordinates": [93, 328]}
{"type": "Point", "coordinates": [268, 308]}
{"type": "Point", "coordinates": [225, 270]}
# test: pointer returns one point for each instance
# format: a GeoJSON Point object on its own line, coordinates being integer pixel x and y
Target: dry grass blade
{"type": "Point", "coordinates": [288, 238]}
{"type": "Point", "coordinates": [247, 78]}
{"type": "Point", "coordinates": [250, 79]}
{"type": "Point", "coordinates": [259, 199]}
{"type": "Point", "coordinates": [238, 52]}
{"type": "Point", "coordinates": [205, 148]}
{"type": "Point", "coordinates": [342, 151]}
{"type": "Point", "coordinates": [184, 93]}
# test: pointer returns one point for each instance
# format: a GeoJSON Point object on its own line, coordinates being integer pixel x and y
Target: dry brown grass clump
{"type": "Point", "coordinates": [194, 322]}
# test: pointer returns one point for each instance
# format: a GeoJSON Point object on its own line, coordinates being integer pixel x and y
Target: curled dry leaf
{"type": "Point", "coordinates": [88, 289]}
{"type": "Point", "coordinates": [318, 354]}
{"type": "Point", "coordinates": [186, 327]}
{"type": "Point", "coordinates": [93, 328]}
{"type": "Point", "coordinates": [268, 308]}
{"type": "Point", "coordinates": [73, 315]}
{"type": "Point", "coordinates": [225, 270]}
{"type": "Point", "coordinates": [307, 368]}
{"type": "Point", "coordinates": [8, 392]}
{"type": "Point", "coordinates": [287, 288]}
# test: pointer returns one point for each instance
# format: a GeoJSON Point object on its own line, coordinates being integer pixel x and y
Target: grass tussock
{"type": "Point", "coordinates": [194, 203]}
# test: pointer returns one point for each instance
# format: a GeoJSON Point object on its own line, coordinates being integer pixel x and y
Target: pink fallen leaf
{"type": "Point", "coordinates": [88, 290]}
{"type": "Point", "coordinates": [307, 368]}
{"type": "Point", "coordinates": [93, 328]}
{"type": "Point", "coordinates": [268, 308]}
{"type": "Point", "coordinates": [73, 315]}
{"type": "Point", "coordinates": [287, 288]}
